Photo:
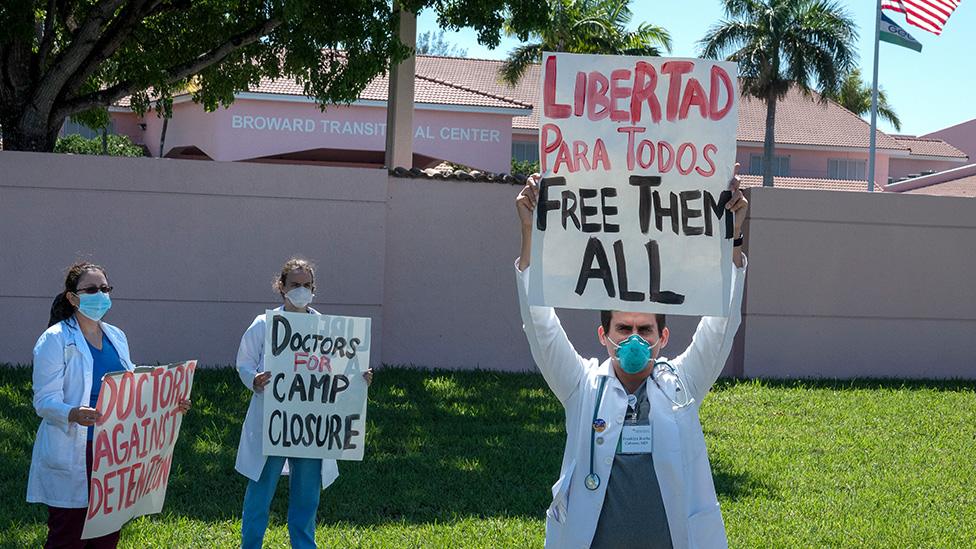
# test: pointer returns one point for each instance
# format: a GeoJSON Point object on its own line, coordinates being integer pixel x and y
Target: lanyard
{"type": "Point", "coordinates": [592, 480]}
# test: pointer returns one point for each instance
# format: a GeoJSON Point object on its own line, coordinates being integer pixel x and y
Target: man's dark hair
{"type": "Point", "coordinates": [607, 316]}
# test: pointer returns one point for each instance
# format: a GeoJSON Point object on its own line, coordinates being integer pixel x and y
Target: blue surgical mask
{"type": "Point", "coordinates": [633, 353]}
{"type": "Point", "coordinates": [95, 305]}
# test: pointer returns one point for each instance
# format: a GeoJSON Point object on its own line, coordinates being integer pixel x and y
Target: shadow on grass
{"type": "Point", "coordinates": [440, 446]}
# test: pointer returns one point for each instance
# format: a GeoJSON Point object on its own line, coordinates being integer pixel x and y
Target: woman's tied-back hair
{"type": "Point", "coordinates": [294, 264]}
{"type": "Point", "coordinates": [62, 309]}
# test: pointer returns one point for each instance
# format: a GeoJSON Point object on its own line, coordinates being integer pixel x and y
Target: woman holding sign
{"type": "Point", "coordinates": [296, 286]}
{"type": "Point", "coordinates": [70, 358]}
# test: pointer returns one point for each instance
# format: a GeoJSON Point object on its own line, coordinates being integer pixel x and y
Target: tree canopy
{"type": "Point", "coordinates": [581, 26]}
{"type": "Point", "coordinates": [779, 44]}
{"type": "Point", "coordinates": [855, 96]}
{"type": "Point", "coordinates": [433, 43]}
{"type": "Point", "coordinates": [61, 58]}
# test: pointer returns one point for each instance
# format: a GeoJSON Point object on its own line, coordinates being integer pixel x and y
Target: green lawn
{"type": "Point", "coordinates": [465, 459]}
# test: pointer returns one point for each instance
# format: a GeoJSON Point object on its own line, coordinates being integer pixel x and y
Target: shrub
{"type": "Point", "coordinates": [118, 145]}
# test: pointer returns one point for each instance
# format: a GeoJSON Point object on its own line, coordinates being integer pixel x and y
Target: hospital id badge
{"type": "Point", "coordinates": [636, 439]}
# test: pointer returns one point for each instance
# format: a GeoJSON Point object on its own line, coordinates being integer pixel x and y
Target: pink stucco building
{"type": "Point", "coordinates": [464, 114]}
{"type": "Point", "coordinates": [962, 136]}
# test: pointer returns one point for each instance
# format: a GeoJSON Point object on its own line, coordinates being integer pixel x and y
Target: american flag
{"type": "Point", "coordinates": [930, 15]}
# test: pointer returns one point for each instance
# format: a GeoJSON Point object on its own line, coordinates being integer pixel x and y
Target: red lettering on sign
{"type": "Point", "coordinates": [597, 104]}
{"type": "Point", "coordinates": [645, 81]}
{"type": "Point", "coordinates": [549, 105]}
{"type": "Point", "coordinates": [675, 69]}
{"type": "Point", "coordinates": [720, 78]}
{"type": "Point", "coordinates": [710, 148]}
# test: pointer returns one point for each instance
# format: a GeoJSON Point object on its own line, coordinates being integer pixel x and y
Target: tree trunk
{"type": "Point", "coordinates": [769, 144]}
{"type": "Point", "coordinates": [105, 141]}
{"type": "Point", "coordinates": [22, 137]}
{"type": "Point", "coordinates": [162, 136]}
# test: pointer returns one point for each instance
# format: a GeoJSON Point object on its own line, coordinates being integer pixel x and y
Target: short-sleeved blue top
{"type": "Point", "coordinates": [105, 360]}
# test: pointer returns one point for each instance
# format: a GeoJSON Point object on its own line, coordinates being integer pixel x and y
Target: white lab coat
{"type": "Point", "coordinates": [680, 459]}
{"type": "Point", "coordinates": [250, 362]}
{"type": "Point", "coordinates": [62, 376]}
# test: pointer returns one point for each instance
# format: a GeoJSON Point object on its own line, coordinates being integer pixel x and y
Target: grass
{"type": "Point", "coordinates": [465, 459]}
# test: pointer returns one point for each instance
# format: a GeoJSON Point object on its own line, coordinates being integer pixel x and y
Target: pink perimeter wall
{"type": "Point", "coordinates": [250, 129]}
{"type": "Point", "coordinates": [191, 247]}
{"type": "Point", "coordinates": [860, 284]}
{"type": "Point", "coordinates": [839, 284]}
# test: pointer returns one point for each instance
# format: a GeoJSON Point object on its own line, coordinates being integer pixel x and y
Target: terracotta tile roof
{"type": "Point", "coordinates": [802, 120]}
{"type": "Point", "coordinates": [965, 186]}
{"type": "Point", "coordinates": [427, 90]}
{"type": "Point", "coordinates": [443, 172]}
{"type": "Point", "coordinates": [929, 146]}
{"type": "Point", "coordinates": [482, 74]}
{"type": "Point", "coordinates": [810, 183]}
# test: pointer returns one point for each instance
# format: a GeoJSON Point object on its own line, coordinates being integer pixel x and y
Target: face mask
{"type": "Point", "coordinates": [94, 306]}
{"type": "Point", "coordinates": [300, 297]}
{"type": "Point", "coordinates": [633, 353]}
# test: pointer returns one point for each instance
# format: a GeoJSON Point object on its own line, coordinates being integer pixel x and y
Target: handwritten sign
{"type": "Point", "coordinates": [315, 403]}
{"type": "Point", "coordinates": [132, 452]}
{"type": "Point", "coordinates": [636, 155]}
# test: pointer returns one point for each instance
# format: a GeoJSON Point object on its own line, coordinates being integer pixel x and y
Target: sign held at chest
{"type": "Point", "coordinates": [315, 404]}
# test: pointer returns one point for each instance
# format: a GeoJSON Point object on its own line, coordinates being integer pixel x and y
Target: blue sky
{"type": "Point", "coordinates": [929, 90]}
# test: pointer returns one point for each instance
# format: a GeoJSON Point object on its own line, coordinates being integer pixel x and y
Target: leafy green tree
{"type": "Point", "coordinates": [582, 26]}
{"type": "Point", "coordinates": [115, 145]}
{"type": "Point", "coordinates": [525, 167]}
{"type": "Point", "coordinates": [855, 96]}
{"type": "Point", "coordinates": [783, 43]}
{"type": "Point", "coordinates": [431, 43]}
{"type": "Point", "coordinates": [61, 58]}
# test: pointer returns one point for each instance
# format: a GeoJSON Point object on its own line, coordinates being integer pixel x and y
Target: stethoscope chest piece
{"type": "Point", "coordinates": [592, 481]}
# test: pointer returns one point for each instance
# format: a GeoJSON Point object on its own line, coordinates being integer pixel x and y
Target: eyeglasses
{"type": "Point", "coordinates": [94, 290]}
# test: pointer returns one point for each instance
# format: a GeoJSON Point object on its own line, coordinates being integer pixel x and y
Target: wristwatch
{"type": "Point", "coordinates": [738, 241]}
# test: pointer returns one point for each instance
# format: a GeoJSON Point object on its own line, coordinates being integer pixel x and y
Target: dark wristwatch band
{"type": "Point", "coordinates": [738, 241]}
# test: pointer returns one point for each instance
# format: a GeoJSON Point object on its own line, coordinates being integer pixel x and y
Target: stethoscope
{"type": "Point", "coordinates": [661, 366]}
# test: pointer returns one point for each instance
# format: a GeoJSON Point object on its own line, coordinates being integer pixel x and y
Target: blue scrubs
{"type": "Point", "coordinates": [105, 360]}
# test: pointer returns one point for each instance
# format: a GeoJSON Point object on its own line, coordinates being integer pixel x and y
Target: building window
{"type": "Point", "coordinates": [525, 151]}
{"type": "Point", "coordinates": [845, 168]}
{"type": "Point", "coordinates": [781, 165]}
{"type": "Point", "coordinates": [70, 128]}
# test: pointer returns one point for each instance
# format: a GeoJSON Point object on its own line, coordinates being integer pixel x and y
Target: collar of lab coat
{"type": "Point", "coordinates": [310, 310]}
{"type": "Point", "coordinates": [77, 337]}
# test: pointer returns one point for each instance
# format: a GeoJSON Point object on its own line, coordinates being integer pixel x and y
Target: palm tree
{"type": "Point", "coordinates": [855, 96]}
{"type": "Point", "coordinates": [585, 26]}
{"type": "Point", "coordinates": [783, 43]}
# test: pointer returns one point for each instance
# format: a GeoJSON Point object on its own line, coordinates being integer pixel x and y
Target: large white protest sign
{"type": "Point", "coordinates": [315, 403]}
{"type": "Point", "coordinates": [636, 156]}
{"type": "Point", "coordinates": [132, 449]}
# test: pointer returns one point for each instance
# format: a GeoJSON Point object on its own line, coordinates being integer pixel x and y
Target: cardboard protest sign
{"type": "Point", "coordinates": [132, 449]}
{"type": "Point", "coordinates": [315, 403]}
{"type": "Point", "coordinates": [636, 155]}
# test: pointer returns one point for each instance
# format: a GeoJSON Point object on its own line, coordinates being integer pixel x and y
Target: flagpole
{"type": "Point", "coordinates": [874, 100]}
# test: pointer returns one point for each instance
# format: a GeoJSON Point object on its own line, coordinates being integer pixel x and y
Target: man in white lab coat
{"type": "Point", "coordinates": [635, 472]}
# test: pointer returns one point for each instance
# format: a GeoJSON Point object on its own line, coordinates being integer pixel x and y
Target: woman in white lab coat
{"type": "Point", "coordinates": [70, 358]}
{"type": "Point", "coordinates": [296, 285]}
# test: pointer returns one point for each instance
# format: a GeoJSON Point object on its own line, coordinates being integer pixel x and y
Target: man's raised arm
{"type": "Point", "coordinates": [560, 364]}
